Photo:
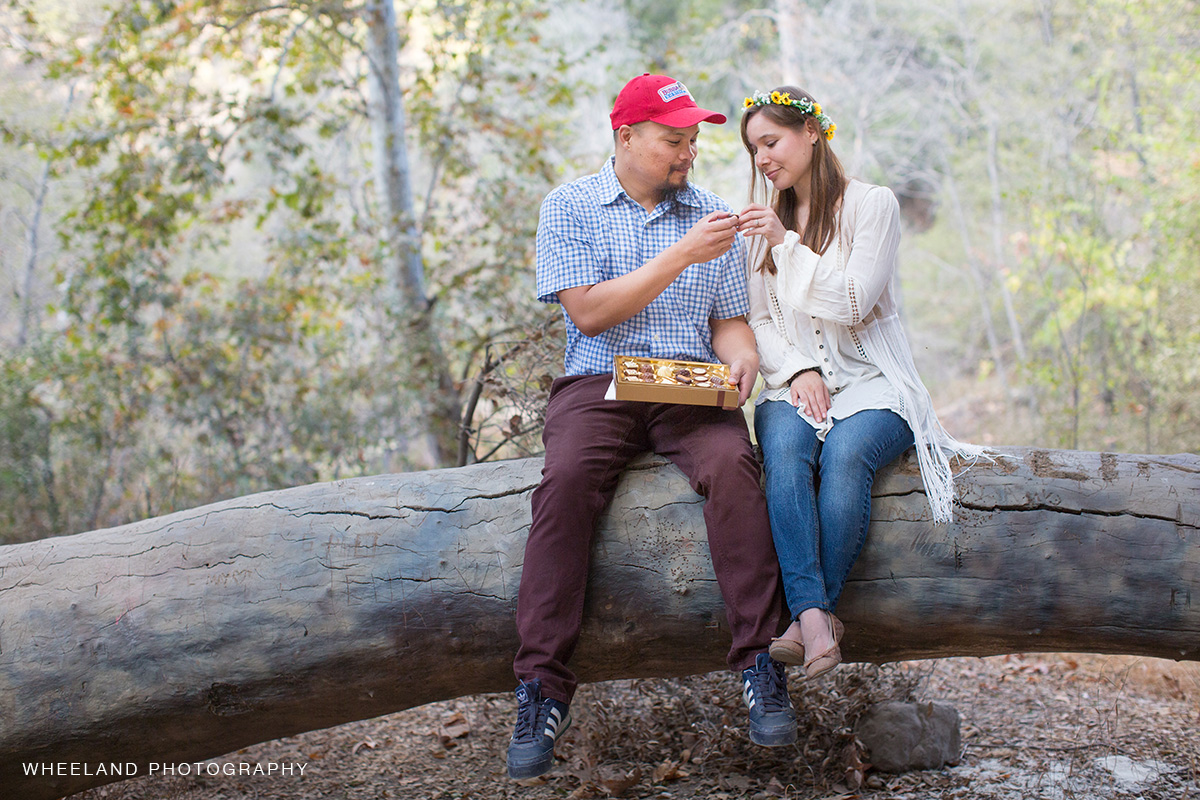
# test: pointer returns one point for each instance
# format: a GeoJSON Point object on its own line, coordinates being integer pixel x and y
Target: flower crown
{"type": "Point", "coordinates": [803, 104]}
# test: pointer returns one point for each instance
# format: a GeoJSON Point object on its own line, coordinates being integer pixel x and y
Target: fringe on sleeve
{"type": "Point", "coordinates": [885, 345]}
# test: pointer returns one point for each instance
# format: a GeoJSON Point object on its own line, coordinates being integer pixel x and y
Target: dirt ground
{"type": "Point", "coordinates": [1034, 727]}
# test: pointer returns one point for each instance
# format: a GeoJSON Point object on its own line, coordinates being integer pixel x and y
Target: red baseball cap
{"type": "Point", "coordinates": [657, 98]}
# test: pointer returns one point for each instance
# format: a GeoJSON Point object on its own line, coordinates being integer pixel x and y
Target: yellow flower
{"type": "Point", "coordinates": [829, 133]}
{"type": "Point", "coordinates": [776, 97]}
{"type": "Point", "coordinates": [785, 98]}
{"type": "Point", "coordinates": [749, 102]}
{"type": "Point", "coordinates": [816, 108]}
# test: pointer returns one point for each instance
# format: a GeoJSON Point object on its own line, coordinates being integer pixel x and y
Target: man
{"type": "Point", "coordinates": [645, 264]}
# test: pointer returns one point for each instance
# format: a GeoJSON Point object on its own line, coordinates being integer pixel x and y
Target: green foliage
{"type": "Point", "coordinates": [1108, 278]}
{"type": "Point", "coordinates": [223, 323]}
{"type": "Point", "coordinates": [28, 505]}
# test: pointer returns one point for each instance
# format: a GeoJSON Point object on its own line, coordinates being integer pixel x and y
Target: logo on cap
{"type": "Point", "coordinates": [673, 91]}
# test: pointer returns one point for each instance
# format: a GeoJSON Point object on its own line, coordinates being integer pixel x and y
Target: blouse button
{"type": "Point", "coordinates": [821, 346]}
{"type": "Point", "coordinates": [818, 333]}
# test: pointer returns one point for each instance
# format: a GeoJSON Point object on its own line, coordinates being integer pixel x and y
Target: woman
{"type": "Point", "coordinates": [842, 395]}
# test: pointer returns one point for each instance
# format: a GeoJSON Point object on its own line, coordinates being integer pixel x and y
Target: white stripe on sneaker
{"type": "Point", "coordinates": [552, 723]}
{"type": "Point", "coordinates": [748, 695]}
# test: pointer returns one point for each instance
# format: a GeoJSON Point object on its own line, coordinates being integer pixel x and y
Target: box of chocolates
{"type": "Point", "coordinates": [657, 380]}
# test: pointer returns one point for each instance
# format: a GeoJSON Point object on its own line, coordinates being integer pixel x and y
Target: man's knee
{"type": "Point", "coordinates": [730, 477]}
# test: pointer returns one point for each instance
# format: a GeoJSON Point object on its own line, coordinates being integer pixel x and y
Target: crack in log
{"type": "Point", "coordinates": [484, 595]}
{"type": "Point", "coordinates": [211, 564]}
{"type": "Point", "coordinates": [173, 568]}
{"type": "Point", "coordinates": [908, 493]}
{"type": "Point", "coordinates": [21, 583]}
{"type": "Point", "coordinates": [99, 554]}
{"type": "Point", "coordinates": [205, 513]}
{"type": "Point", "coordinates": [697, 500]}
{"type": "Point", "coordinates": [363, 514]}
{"type": "Point", "coordinates": [434, 579]}
{"type": "Point", "coordinates": [336, 568]}
{"type": "Point", "coordinates": [1076, 512]}
{"type": "Point", "coordinates": [498, 495]}
{"type": "Point", "coordinates": [642, 567]}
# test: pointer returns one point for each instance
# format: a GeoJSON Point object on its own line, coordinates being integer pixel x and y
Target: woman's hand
{"type": "Point", "coordinates": [808, 391]}
{"type": "Point", "coordinates": [759, 220]}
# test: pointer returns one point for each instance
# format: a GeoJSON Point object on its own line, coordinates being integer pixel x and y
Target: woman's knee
{"type": "Point", "coordinates": [783, 444]}
{"type": "Point", "coordinates": [872, 438]}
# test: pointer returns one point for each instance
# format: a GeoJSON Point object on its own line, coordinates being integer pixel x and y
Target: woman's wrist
{"type": "Point", "coordinates": [801, 372]}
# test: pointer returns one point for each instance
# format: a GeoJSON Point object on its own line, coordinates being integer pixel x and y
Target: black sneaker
{"type": "Point", "coordinates": [540, 721]}
{"type": "Point", "coordinates": [772, 718]}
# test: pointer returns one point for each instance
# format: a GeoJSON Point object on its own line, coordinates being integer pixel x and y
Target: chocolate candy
{"type": "Point", "coordinates": [672, 373]}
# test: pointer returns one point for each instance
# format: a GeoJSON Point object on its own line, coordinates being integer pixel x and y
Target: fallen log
{"type": "Point", "coordinates": [188, 636]}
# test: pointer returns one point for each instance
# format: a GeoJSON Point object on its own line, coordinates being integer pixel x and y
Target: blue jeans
{"type": "Point", "coordinates": [819, 494]}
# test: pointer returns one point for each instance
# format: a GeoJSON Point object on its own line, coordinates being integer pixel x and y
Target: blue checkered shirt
{"type": "Point", "coordinates": [590, 231]}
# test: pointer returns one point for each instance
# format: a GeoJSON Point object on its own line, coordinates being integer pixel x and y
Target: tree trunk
{"type": "Point", "coordinates": [389, 129]}
{"type": "Point", "coordinates": [998, 256]}
{"type": "Point", "coordinates": [792, 21]}
{"type": "Point", "coordinates": [402, 238]}
{"type": "Point", "coordinates": [188, 636]}
{"type": "Point", "coordinates": [33, 242]}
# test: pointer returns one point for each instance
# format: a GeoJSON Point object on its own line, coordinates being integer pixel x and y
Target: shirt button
{"type": "Point", "coordinates": [821, 346]}
{"type": "Point", "coordinates": [818, 333]}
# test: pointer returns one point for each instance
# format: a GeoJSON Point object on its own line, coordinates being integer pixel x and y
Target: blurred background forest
{"type": "Point", "coordinates": [249, 245]}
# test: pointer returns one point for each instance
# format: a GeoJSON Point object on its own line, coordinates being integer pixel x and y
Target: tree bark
{"type": "Point", "coordinates": [389, 129]}
{"type": "Point", "coordinates": [404, 263]}
{"type": "Point", "coordinates": [184, 637]}
{"type": "Point", "coordinates": [792, 21]}
{"type": "Point", "coordinates": [33, 241]}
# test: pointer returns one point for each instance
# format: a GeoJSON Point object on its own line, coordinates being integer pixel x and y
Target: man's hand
{"type": "Point", "coordinates": [744, 372]}
{"type": "Point", "coordinates": [709, 238]}
{"type": "Point", "coordinates": [808, 391]}
{"type": "Point", "coordinates": [733, 342]}
{"type": "Point", "coordinates": [595, 308]}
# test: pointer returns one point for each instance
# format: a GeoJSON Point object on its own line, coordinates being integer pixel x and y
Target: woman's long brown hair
{"type": "Point", "coordinates": [828, 178]}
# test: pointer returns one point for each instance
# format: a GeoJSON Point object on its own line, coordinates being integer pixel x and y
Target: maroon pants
{"type": "Point", "coordinates": [589, 441]}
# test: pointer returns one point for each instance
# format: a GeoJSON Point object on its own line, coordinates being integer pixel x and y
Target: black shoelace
{"type": "Point", "coordinates": [531, 719]}
{"type": "Point", "coordinates": [769, 687]}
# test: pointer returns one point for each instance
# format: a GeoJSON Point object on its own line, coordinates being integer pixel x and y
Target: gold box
{"type": "Point", "coordinates": [659, 380]}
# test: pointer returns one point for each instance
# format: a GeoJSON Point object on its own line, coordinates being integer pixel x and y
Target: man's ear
{"type": "Point", "coordinates": [624, 136]}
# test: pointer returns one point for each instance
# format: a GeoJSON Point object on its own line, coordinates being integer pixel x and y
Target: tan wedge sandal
{"type": "Point", "coordinates": [820, 664]}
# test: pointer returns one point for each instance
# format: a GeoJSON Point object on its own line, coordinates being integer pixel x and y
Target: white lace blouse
{"type": "Point", "coordinates": [838, 312]}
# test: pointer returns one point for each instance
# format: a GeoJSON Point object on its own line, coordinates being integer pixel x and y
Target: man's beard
{"type": "Point", "coordinates": [671, 190]}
